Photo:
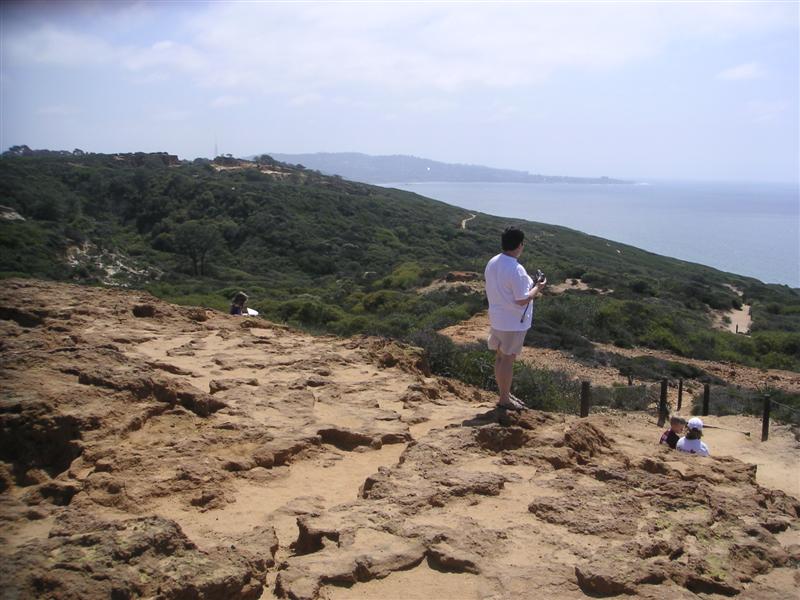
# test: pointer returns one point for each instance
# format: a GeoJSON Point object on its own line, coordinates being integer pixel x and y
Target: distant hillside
{"type": "Point", "coordinates": [346, 257]}
{"type": "Point", "coordinates": [403, 168]}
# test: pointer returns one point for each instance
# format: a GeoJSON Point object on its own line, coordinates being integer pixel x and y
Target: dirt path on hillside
{"type": "Point", "coordinates": [738, 320]}
{"type": "Point", "coordinates": [465, 221]}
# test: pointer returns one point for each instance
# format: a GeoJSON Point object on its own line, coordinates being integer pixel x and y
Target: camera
{"type": "Point", "coordinates": [539, 276]}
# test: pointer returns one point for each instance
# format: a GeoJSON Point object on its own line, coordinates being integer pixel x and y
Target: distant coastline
{"type": "Point", "coordinates": [411, 169]}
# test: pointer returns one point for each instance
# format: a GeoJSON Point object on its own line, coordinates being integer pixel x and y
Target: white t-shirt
{"type": "Point", "coordinates": [506, 281]}
{"type": "Point", "coordinates": [692, 446]}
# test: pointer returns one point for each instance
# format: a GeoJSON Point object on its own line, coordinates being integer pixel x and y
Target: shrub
{"type": "Point", "coordinates": [553, 391]}
{"type": "Point", "coordinates": [634, 397]}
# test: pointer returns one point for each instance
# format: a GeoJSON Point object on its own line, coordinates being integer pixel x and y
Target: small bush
{"type": "Point", "coordinates": [553, 391]}
{"type": "Point", "coordinates": [635, 397]}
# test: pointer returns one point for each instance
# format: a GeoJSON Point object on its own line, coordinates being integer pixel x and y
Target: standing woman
{"type": "Point", "coordinates": [510, 291]}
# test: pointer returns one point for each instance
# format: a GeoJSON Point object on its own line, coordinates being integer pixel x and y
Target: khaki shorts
{"type": "Point", "coordinates": [507, 342]}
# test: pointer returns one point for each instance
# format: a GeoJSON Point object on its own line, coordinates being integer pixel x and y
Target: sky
{"type": "Point", "coordinates": [662, 90]}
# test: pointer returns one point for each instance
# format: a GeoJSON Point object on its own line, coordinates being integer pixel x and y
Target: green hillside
{"type": "Point", "coordinates": [344, 257]}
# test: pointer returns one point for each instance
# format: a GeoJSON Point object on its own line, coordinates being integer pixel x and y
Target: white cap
{"type": "Point", "coordinates": [695, 423]}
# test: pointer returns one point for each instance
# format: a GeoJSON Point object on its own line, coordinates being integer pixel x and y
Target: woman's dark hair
{"type": "Point", "coordinates": [694, 434]}
{"type": "Point", "coordinates": [511, 239]}
{"type": "Point", "coordinates": [239, 299]}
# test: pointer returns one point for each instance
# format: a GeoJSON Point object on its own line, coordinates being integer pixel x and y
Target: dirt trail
{"type": "Point", "coordinates": [739, 320]}
{"type": "Point", "coordinates": [468, 219]}
{"type": "Point", "coordinates": [155, 451]}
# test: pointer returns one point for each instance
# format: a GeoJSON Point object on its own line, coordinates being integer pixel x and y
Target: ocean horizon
{"type": "Point", "coordinates": [750, 229]}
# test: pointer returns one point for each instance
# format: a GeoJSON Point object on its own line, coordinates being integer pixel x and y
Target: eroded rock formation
{"type": "Point", "coordinates": [167, 452]}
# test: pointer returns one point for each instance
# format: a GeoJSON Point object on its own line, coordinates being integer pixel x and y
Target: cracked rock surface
{"type": "Point", "coordinates": [155, 451]}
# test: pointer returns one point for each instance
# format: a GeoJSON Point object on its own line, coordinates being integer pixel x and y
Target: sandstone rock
{"type": "Point", "coordinates": [107, 490]}
{"type": "Point", "coordinates": [59, 493]}
{"type": "Point", "coordinates": [586, 439]}
{"type": "Point", "coordinates": [169, 368]}
{"type": "Point", "coordinates": [220, 385]}
{"type": "Point", "coordinates": [446, 558]}
{"type": "Point", "coordinates": [497, 438]}
{"type": "Point", "coordinates": [144, 310]}
{"type": "Point", "coordinates": [23, 318]}
{"type": "Point", "coordinates": [603, 581]}
{"type": "Point", "coordinates": [199, 315]}
{"type": "Point", "coordinates": [169, 391]}
{"type": "Point", "coordinates": [35, 435]}
{"type": "Point", "coordinates": [370, 554]}
{"type": "Point", "coordinates": [281, 452]}
{"type": "Point", "coordinates": [145, 557]}
{"type": "Point", "coordinates": [346, 439]}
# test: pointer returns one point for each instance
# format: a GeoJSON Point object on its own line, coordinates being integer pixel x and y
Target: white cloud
{"type": "Point", "coordinates": [744, 71]}
{"type": "Point", "coordinates": [166, 54]}
{"type": "Point", "coordinates": [226, 101]}
{"type": "Point", "coordinates": [51, 45]}
{"type": "Point", "coordinates": [300, 50]}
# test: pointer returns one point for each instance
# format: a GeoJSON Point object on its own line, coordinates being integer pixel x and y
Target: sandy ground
{"type": "Point", "coordinates": [574, 284]}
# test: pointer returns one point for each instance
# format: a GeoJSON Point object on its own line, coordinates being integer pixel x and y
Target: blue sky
{"type": "Point", "coordinates": [664, 90]}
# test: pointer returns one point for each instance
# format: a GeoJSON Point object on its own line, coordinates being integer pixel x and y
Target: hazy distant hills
{"type": "Point", "coordinates": [402, 168]}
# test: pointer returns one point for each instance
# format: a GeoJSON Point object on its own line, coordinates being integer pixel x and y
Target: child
{"type": "Point", "coordinates": [691, 442]}
{"type": "Point", "coordinates": [671, 436]}
{"type": "Point", "coordinates": [238, 304]}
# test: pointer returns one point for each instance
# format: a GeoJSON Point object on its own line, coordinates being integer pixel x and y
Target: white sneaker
{"type": "Point", "coordinates": [513, 404]}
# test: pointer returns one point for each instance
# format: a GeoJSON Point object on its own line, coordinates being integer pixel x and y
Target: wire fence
{"type": "Point", "coordinates": [728, 400]}
{"type": "Point", "coordinates": [559, 391]}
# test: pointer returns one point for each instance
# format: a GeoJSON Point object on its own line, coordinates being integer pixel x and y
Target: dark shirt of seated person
{"type": "Point", "coordinates": [671, 436]}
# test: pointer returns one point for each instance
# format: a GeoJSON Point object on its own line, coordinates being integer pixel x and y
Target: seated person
{"type": "Point", "coordinates": [238, 304]}
{"type": "Point", "coordinates": [691, 442]}
{"type": "Point", "coordinates": [671, 436]}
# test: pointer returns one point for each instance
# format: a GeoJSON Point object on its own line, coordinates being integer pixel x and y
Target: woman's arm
{"type": "Point", "coordinates": [536, 290]}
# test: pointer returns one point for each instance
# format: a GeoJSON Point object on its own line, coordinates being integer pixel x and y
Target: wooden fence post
{"type": "Point", "coordinates": [680, 394]}
{"type": "Point", "coordinates": [706, 398]}
{"type": "Point", "coordinates": [662, 404]}
{"type": "Point", "coordinates": [765, 418]}
{"type": "Point", "coordinates": [586, 398]}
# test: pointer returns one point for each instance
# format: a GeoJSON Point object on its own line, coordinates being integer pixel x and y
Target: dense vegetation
{"type": "Point", "coordinates": [334, 255]}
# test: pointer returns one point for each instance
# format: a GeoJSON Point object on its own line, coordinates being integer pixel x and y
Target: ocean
{"type": "Point", "coordinates": [745, 228]}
